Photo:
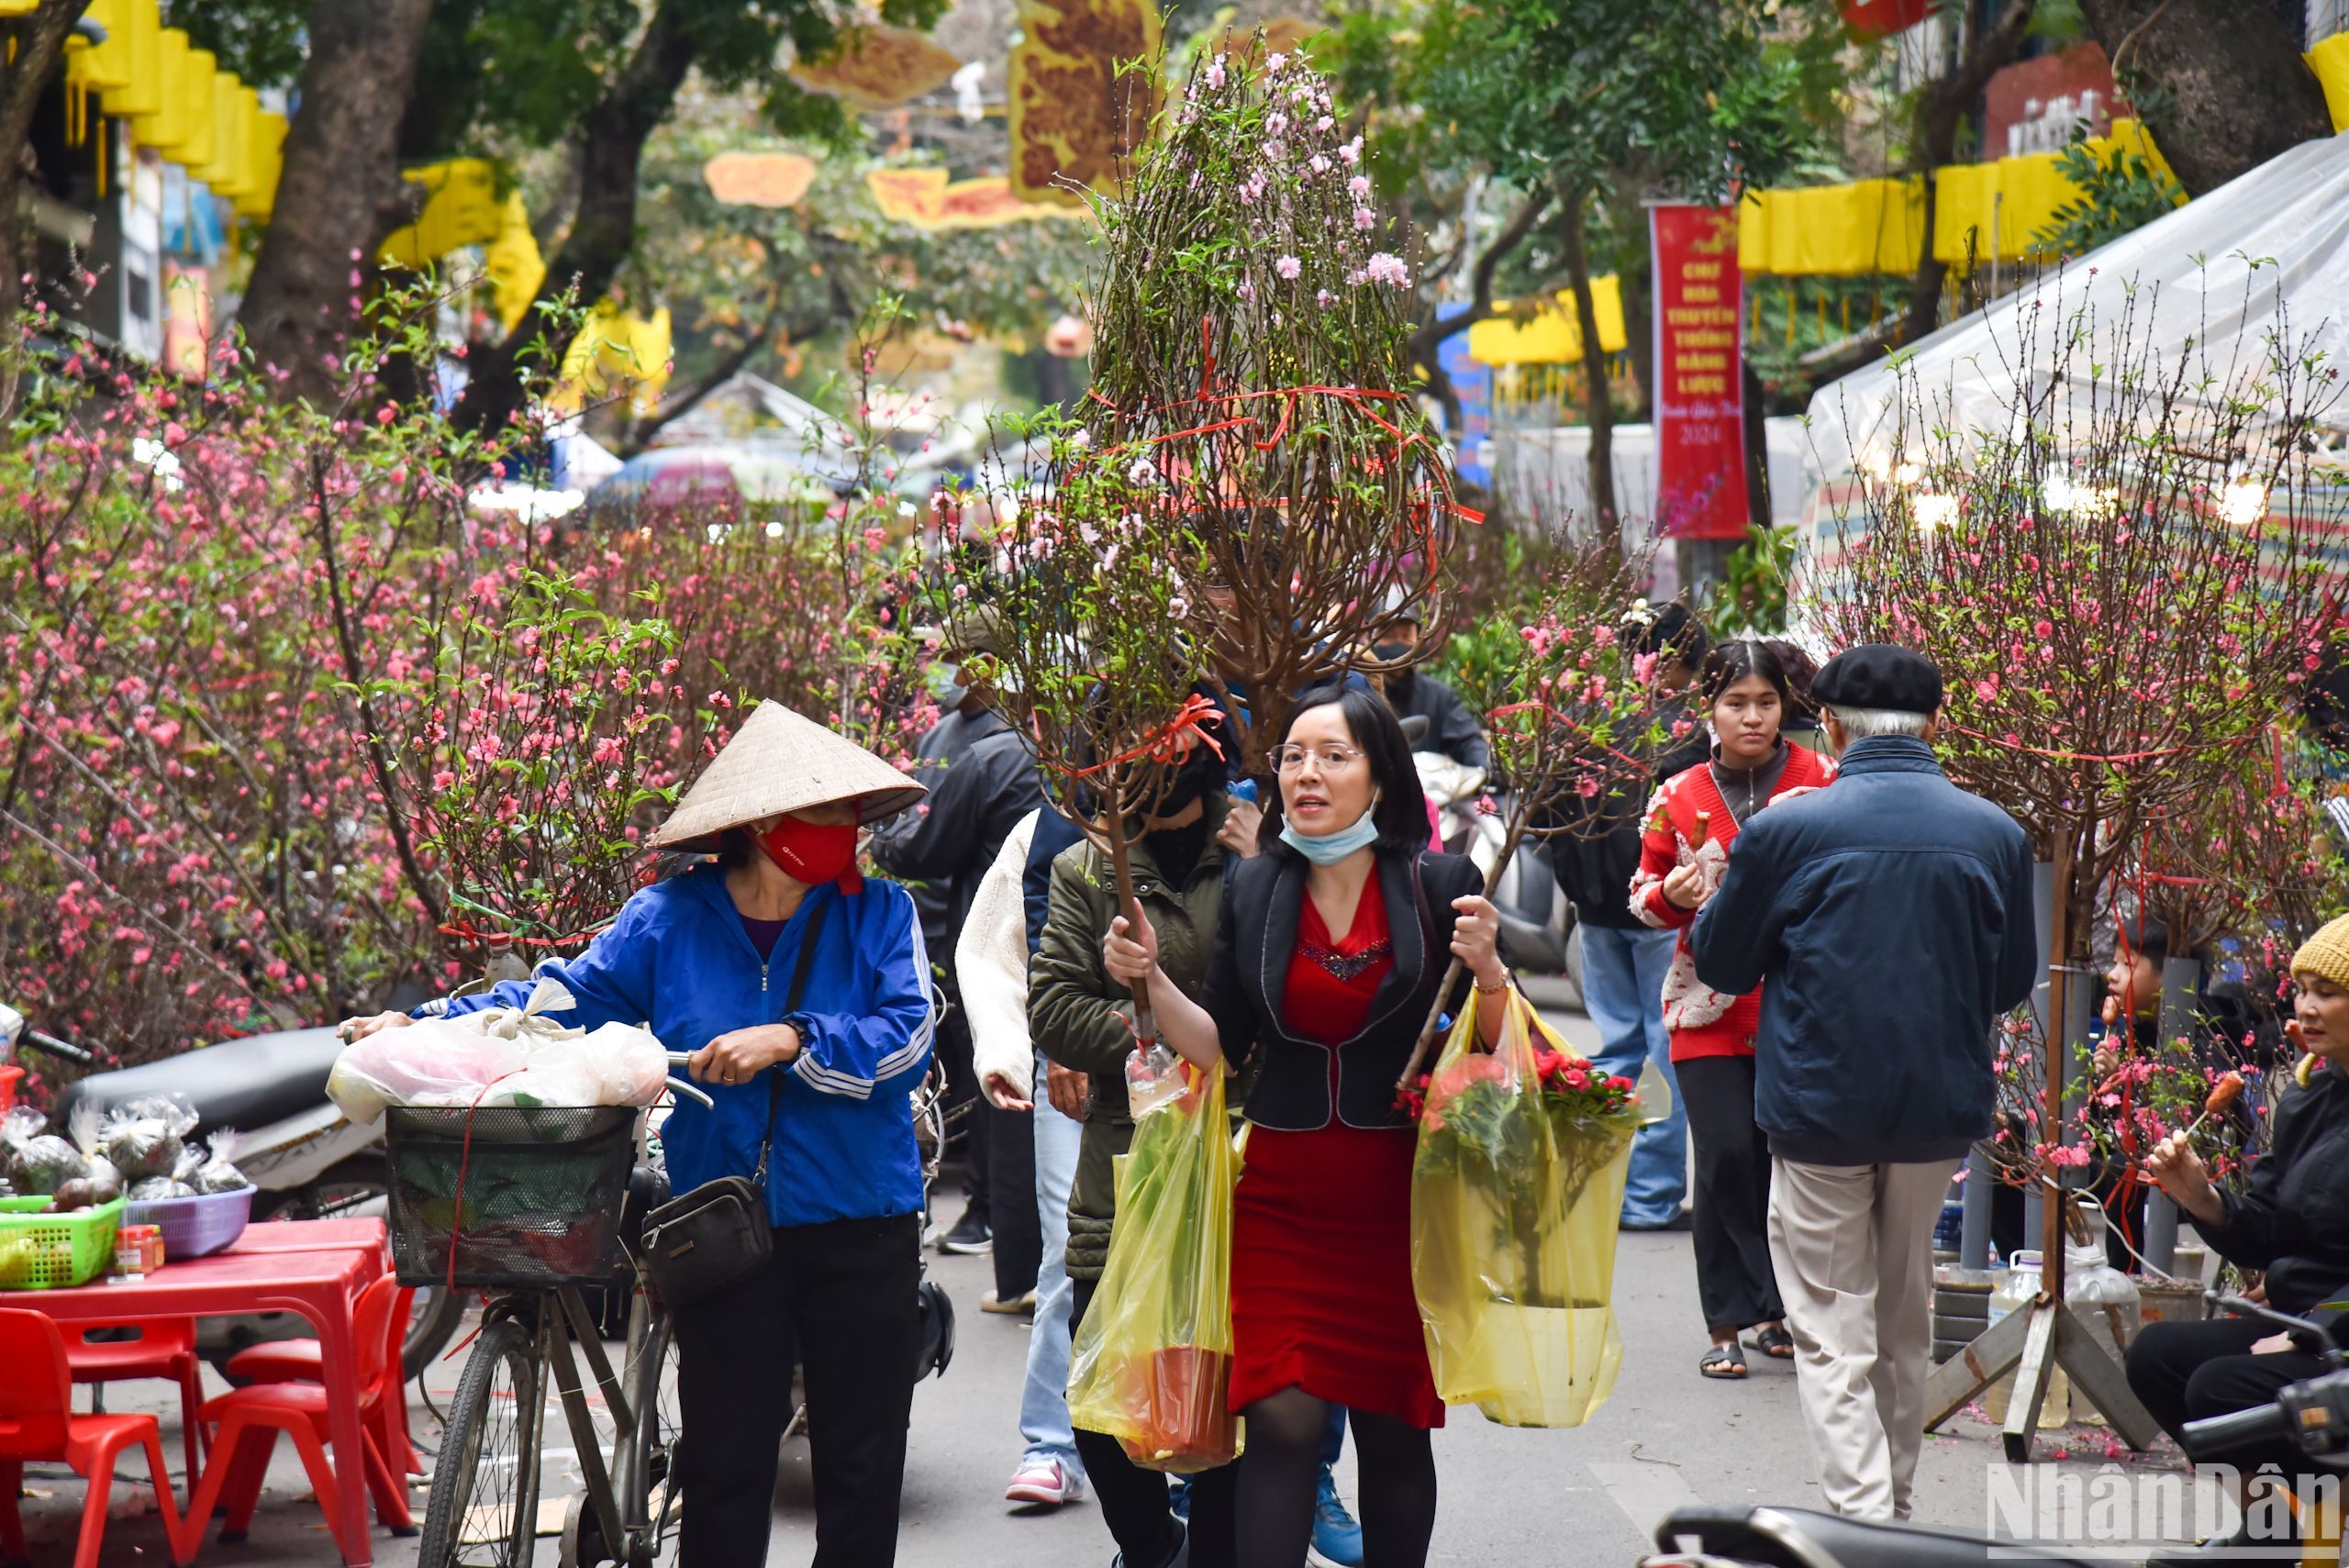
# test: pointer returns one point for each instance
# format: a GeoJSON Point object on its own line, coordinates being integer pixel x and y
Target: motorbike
{"type": "Point", "coordinates": [2314, 1413]}
{"type": "Point", "coordinates": [1537, 920]}
{"type": "Point", "coordinates": [305, 1159]}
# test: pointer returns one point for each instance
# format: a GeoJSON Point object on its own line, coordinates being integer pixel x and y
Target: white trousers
{"type": "Point", "coordinates": [1853, 1246]}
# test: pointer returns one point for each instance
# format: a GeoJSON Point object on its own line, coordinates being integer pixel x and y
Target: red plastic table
{"type": "Point", "coordinates": [308, 1236]}
{"type": "Point", "coordinates": [321, 1284]}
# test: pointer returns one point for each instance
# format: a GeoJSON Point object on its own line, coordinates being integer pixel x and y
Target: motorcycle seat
{"type": "Point", "coordinates": [243, 1083]}
{"type": "Point", "coordinates": [1800, 1538]}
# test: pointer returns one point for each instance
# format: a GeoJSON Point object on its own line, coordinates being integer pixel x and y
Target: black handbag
{"type": "Point", "coordinates": [712, 1238]}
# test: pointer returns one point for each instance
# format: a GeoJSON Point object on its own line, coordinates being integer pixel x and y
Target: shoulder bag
{"type": "Point", "coordinates": [715, 1236]}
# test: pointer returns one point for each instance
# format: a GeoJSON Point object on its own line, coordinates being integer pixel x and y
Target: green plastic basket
{"type": "Point", "coordinates": [50, 1252]}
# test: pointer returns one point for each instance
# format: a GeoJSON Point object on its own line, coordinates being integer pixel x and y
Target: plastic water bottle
{"type": "Point", "coordinates": [2017, 1290]}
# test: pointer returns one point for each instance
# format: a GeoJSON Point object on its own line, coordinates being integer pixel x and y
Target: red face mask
{"type": "Point", "coordinates": [812, 853]}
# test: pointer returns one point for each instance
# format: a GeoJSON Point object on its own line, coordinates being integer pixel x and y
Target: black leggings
{"type": "Point", "coordinates": [1394, 1478]}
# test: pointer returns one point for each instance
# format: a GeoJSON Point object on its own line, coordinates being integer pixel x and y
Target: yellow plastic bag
{"type": "Point", "coordinates": [1152, 1362]}
{"type": "Point", "coordinates": [1516, 1190]}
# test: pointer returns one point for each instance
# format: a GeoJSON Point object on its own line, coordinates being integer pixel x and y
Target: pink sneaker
{"type": "Point", "coordinates": [1043, 1483]}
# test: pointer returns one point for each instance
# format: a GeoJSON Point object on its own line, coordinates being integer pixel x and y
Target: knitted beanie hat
{"type": "Point", "coordinates": [2326, 954]}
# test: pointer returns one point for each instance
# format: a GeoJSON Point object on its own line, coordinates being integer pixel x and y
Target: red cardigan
{"type": "Point", "coordinates": [1702, 1021]}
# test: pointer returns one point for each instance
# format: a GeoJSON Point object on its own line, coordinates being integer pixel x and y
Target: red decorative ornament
{"type": "Point", "coordinates": [1881, 18]}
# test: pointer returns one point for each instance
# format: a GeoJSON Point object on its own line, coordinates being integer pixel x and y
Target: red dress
{"type": "Point", "coordinates": [1321, 1296]}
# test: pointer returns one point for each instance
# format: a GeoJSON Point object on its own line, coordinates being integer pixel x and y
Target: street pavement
{"type": "Point", "coordinates": [1590, 1496]}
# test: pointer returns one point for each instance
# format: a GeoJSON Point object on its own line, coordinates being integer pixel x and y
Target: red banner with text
{"type": "Point", "coordinates": [1700, 385]}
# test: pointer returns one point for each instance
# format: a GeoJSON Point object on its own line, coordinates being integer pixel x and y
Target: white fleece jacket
{"type": "Point", "coordinates": [991, 963]}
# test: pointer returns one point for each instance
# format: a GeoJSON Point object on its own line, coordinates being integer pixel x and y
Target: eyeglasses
{"type": "Point", "coordinates": [1330, 759]}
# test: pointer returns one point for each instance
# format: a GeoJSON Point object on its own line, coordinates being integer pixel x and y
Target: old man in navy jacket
{"type": "Point", "coordinates": [1889, 923]}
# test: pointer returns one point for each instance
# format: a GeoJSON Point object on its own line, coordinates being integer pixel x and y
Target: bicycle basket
{"type": "Point", "coordinates": [525, 1196]}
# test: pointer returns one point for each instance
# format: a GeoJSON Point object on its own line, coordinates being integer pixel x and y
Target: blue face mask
{"type": "Point", "coordinates": [943, 689]}
{"type": "Point", "coordinates": [1330, 847]}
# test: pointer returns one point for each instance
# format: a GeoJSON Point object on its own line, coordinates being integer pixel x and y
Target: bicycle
{"type": "Point", "coordinates": [530, 1204]}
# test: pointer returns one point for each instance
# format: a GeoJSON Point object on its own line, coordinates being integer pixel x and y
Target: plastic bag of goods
{"type": "Point", "coordinates": [146, 1137]}
{"type": "Point", "coordinates": [433, 1061]}
{"type": "Point", "coordinates": [38, 1162]}
{"type": "Point", "coordinates": [1517, 1186]}
{"type": "Point", "coordinates": [616, 1064]}
{"type": "Point", "coordinates": [215, 1173]}
{"type": "Point", "coordinates": [1152, 1362]}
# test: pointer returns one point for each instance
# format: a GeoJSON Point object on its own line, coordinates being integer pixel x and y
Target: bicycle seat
{"type": "Point", "coordinates": [1800, 1538]}
{"type": "Point", "coordinates": [244, 1083]}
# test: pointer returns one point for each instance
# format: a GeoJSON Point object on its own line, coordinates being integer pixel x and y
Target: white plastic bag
{"type": "Point", "coordinates": [619, 1064]}
{"type": "Point", "coordinates": [433, 1061]}
{"type": "Point", "coordinates": [499, 1056]}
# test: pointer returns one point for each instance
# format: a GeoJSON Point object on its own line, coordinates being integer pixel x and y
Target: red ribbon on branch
{"type": "Point", "coordinates": [1171, 741]}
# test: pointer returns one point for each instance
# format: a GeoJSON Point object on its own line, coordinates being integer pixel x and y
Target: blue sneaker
{"type": "Point", "coordinates": [1337, 1538]}
{"type": "Point", "coordinates": [1178, 1496]}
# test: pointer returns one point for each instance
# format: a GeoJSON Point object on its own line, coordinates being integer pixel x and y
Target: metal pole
{"type": "Point", "coordinates": [2181, 978]}
{"type": "Point", "coordinates": [2042, 898]}
{"type": "Point", "coordinates": [1973, 1235]}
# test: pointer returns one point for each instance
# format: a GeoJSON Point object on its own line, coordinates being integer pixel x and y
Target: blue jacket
{"type": "Point", "coordinates": [678, 962]}
{"type": "Point", "coordinates": [1889, 921]}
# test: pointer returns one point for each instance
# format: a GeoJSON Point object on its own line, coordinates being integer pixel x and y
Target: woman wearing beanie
{"type": "Point", "coordinates": [2291, 1221]}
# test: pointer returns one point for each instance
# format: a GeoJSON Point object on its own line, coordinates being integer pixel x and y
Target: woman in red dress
{"type": "Point", "coordinates": [1328, 955]}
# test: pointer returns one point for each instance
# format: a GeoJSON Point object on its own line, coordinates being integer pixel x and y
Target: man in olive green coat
{"type": "Point", "coordinates": [1082, 1020]}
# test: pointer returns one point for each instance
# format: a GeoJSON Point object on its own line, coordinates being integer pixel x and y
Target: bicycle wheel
{"type": "Point", "coordinates": [653, 1495]}
{"type": "Point", "coordinates": [483, 1512]}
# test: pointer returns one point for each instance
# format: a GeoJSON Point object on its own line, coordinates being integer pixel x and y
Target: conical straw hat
{"type": "Point", "coordinates": [780, 761]}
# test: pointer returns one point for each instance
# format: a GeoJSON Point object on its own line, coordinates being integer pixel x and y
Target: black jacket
{"type": "Point", "coordinates": [978, 793]}
{"type": "Point", "coordinates": [2292, 1219]}
{"type": "Point", "coordinates": [1248, 979]}
{"type": "Point", "coordinates": [1595, 844]}
{"type": "Point", "coordinates": [1453, 729]}
{"type": "Point", "coordinates": [1891, 922]}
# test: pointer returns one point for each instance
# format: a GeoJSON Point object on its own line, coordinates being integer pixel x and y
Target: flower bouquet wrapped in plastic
{"type": "Point", "coordinates": [1515, 1191]}
{"type": "Point", "coordinates": [1151, 1364]}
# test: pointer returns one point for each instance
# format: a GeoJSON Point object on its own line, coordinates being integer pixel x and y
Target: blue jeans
{"type": "Point", "coordinates": [1043, 1401]}
{"type": "Point", "coordinates": [1622, 990]}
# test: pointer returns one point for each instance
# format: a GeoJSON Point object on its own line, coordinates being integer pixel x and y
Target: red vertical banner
{"type": "Point", "coordinates": [1700, 385]}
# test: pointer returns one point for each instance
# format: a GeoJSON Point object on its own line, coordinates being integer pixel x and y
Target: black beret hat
{"type": "Point", "coordinates": [1879, 676]}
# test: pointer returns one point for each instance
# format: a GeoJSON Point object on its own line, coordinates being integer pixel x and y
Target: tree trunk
{"type": "Point", "coordinates": [1943, 105]}
{"type": "Point", "coordinates": [603, 228]}
{"type": "Point", "coordinates": [1430, 334]}
{"type": "Point", "coordinates": [340, 191]}
{"type": "Point", "coordinates": [1639, 333]}
{"type": "Point", "coordinates": [1600, 408]}
{"type": "Point", "coordinates": [2221, 85]}
{"type": "Point", "coordinates": [39, 48]}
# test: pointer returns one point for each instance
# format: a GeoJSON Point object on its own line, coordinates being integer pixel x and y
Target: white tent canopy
{"type": "Point", "coordinates": [2211, 280]}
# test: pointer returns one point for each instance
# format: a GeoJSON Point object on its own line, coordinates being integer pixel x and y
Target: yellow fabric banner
{"type": "Point", "coordinates": [1553, 335]}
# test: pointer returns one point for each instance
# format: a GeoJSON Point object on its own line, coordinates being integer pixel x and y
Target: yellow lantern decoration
{"type": "Point", "coordinates": [267, 156]}
{"type": "Point", "coordinates": [617, 350]}
{"type": "Point", "coordinates": [513, 265]}
{"type": "Point", "coordinates": [195, 150]}
{"type": "Point", "coordinates": [228, 163]}
{"type": "Point", "coordinates": [141, 91]}
{"type": "Point", "coordinates": [166, 127]}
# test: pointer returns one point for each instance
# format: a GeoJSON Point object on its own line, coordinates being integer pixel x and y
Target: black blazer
{"type": "Point", "coordinates": [1248, 979]}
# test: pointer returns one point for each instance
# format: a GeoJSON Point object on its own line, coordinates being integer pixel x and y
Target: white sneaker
{"type": "Point", "coordinates": [1044, 1484]}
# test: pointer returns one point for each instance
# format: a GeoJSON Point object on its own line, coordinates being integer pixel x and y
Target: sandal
{"type": "Point", "coordinates": [1776, 1344]}
{"type": "Point", "coordinates": [1723, 1362]}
